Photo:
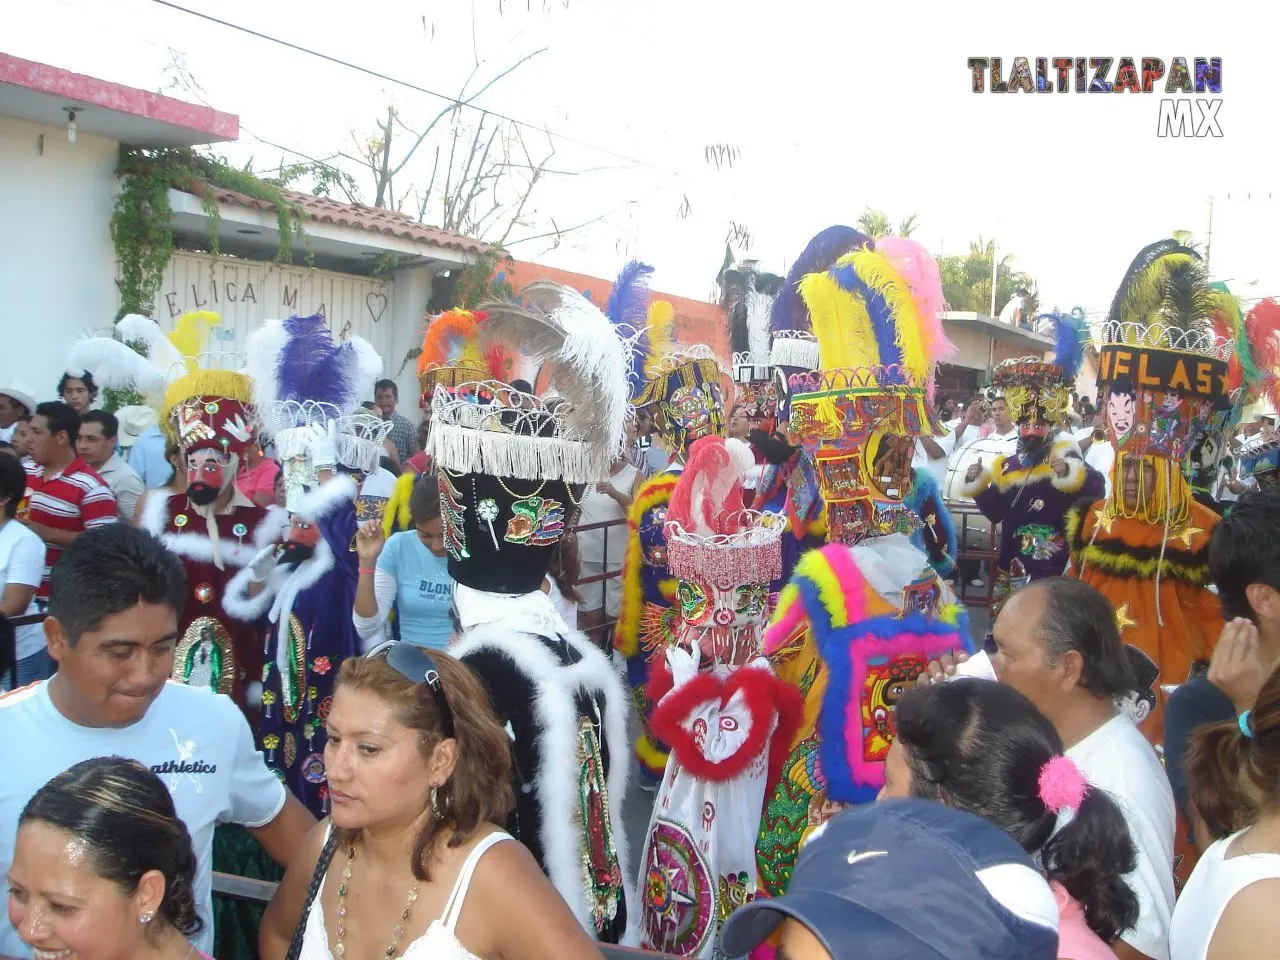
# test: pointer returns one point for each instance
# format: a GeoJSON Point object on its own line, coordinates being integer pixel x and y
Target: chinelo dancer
{"type": "Point", "coordinates": [511, 474]}
{"type": "Point", "coordinates": [789, 482]}
{"type": "Point", "coordinates": [1029, 492]}
{"type": "Point", "coordinates": [862, 616]}
{"type": "Point", "coordinates": [1162, 378]}
{"type": "Point", "coordinates": [681, 385]}
{"type": "Point", "coordinates": [728, 719]}
{"type": "Point", "coordinates": [213, 527]}
{"type": "Point", "coordinates": [307, 392]}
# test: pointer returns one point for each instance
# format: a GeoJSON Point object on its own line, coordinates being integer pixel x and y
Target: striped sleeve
{"type": "Point", "coordinates": [98, 505]}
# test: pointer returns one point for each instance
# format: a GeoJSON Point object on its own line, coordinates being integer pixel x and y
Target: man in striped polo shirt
{"type": "Point", "coordinates": [64, 496]}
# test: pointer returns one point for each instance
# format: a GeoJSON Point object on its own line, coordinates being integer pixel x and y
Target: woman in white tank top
{"type": "Point", "coordinates": [411, 862]}
{"type": "Point", "coordinates": [1230, 907]}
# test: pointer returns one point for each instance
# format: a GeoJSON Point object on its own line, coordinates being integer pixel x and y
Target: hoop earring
{"type": "Point", "coordinates": [435, 807]}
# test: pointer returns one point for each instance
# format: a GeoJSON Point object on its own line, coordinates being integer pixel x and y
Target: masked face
{"type": "Point", "coordinates": [208, 472]}
{"type": "Point", "coordinates": [694, 411]}
{"type": "Point", "coordinates": [723, 620]}
{"type": "Point", "coordinates": [300, 542]}
{"type": "Point", "coordinates": [1120, 412]}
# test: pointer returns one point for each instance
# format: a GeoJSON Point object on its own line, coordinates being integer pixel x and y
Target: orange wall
{"type": "Point", "coordinates": [696, 322]}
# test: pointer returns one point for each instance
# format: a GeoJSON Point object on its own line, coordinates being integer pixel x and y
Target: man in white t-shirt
{"type": "Point", "coordinates": [1057, 643]}
{"type": "Point", "coordinates": [112, 627]}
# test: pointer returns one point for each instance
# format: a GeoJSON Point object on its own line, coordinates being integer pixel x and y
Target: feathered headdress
{"type": "Point", "coordinates": [865, 319]}
{"type": "Point", "coordinates": [115, 363]}
{"type": "Point", "coordinates": [793, 344]}
{"type": "Point", "coordinates": [574, 342]}
{"type": "Point", "coordinates": [1048, 382]}
{"type": "Point", "coordinates": [451, 353]}
{"type": "Point", "coordinates": [711, 538]}
{"type": "Point", "coordinates": [628, 310]}
{"type": "Point", "coordinates": [920, 271]}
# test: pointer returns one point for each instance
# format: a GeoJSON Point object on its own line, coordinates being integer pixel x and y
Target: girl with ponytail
{"type": "Point", "coordinates": [983, 747]}
{"type": "Point", "coordinates": [1227, 909]}
{"type": "Point", "coordinates": [413, 859]}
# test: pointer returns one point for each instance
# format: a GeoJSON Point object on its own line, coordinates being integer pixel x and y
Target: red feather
{"type": "Point", "coordinates": [1262, 325]}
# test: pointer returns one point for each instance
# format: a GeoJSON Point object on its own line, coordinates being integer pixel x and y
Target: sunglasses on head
{"type": "Point", "coordinates": [416, 665]}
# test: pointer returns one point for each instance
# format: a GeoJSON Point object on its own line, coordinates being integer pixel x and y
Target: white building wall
{"type": "Point", "coordinates": [57, 264]}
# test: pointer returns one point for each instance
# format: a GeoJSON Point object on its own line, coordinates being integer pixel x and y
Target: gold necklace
{"type": "Point", "coordinates": [340, 948]}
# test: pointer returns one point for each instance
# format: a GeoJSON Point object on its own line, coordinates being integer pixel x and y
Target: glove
{"type": "Point", "coordinates": [324, 449]}
{"type": "Point", "coordinates": [266, 560]}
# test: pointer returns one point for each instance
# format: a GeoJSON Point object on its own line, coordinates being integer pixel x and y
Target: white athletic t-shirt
{"type": "Point", "coordinates": [199, 744]}
{"type": "Point", "coordinates": [1118, 759]}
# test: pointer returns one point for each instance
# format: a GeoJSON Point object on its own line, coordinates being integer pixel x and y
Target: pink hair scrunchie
{"type": "Point", "coordinates": [1062, 785]}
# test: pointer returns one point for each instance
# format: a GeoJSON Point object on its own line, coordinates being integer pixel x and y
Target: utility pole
{"type": "Point", "coordinates": [995, 261]}
{"type": "Point", "coordinates": [1208, 244]}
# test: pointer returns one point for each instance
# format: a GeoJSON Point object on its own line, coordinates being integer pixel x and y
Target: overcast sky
{"type": "Point", "coordinates": [832, 106]}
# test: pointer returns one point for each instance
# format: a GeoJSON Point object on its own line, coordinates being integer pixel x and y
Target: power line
{"type": "Point", "coordinates": [412, 86]}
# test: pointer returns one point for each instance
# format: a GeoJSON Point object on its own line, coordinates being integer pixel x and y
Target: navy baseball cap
{"type": "Point", "coordinates": [910, 880]}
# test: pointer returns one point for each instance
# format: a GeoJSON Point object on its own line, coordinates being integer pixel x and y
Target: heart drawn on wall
{"type": "Point", "coordinates": [376, 303]}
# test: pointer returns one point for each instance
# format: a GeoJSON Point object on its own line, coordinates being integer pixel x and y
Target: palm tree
{"type": "Point", "coordinates": [874, 223]}
{"type": "Point", "coordinates": [908, 225]}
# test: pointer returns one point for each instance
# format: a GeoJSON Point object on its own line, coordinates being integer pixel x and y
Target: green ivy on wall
{"type": "Point", "coordinates": [142, 223]}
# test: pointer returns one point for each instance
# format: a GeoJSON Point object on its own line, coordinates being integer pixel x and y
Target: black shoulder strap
{"type": "Point", "coordinates": [322, 866]}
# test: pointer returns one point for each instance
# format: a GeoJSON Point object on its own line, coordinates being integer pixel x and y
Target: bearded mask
{"type": "Point", "coordinates": [300, 542]}
{"type": "Point", "coordinates": [209, 473]}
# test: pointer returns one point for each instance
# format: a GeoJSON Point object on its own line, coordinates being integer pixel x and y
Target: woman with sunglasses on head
{"type": "Point", "coordinates": [411, 861]}
{"type": "Point", "coordinates": [984, 747]}
{"type": "Point", "coordinates": [103, 869]}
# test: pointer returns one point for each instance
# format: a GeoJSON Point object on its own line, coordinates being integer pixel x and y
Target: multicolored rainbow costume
{"type": "Point", "coordinates": [853, 630]}
{"type": "Point", "coordinates": [861, 617]}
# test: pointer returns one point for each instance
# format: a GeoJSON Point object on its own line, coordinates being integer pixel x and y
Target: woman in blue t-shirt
{"type": "Point", "coordinates": [408, 572]}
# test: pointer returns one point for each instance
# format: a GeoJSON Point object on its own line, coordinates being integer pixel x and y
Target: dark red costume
{"type": "Point", "coordinates": [215, 649]}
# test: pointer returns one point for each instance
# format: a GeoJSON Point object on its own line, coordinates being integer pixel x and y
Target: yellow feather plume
{"type": "Point", "coordinates": [878, 273]}
{"type": "Point", "coordinates": [661, 327]}
{"type": "Point", "coordinates": [191, 334]}
{"type": "Point", "coordinates": [840, 323]}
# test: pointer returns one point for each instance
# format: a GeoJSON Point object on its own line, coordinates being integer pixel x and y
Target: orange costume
{"type": "Point", "coordinates": [1175, 620]}
{"type": "Point", "coordinates": [1163, 385]}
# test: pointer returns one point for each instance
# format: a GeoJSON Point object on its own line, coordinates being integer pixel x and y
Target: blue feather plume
{"type": "Point", "coordinates": [312, 367]}
{"type": "Point", "coordinates": [788, 311]}
{"type": "Point", "coordinates": [883, 325]}
{"type": "Point", "coordinates": [628, 311]}
{"type": "Point", "coordinates": [1069, 342]}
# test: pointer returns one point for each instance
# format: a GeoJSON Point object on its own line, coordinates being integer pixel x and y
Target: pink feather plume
{"type": "Point", "coordinates": [915, 265]}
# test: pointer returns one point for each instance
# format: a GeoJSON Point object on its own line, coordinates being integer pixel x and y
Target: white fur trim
{"type": "Point", "coordinates": [199, 546]}
{"type": "Point", "coordinates": [557, 716]}
{"type": "Point", "coordinates": [236, 601]}
{"type": "Point", "coordinates": [272, 527]}
{"type": "Point", "coordinates": [326, 498]}
{"type": "Point", "coordinates": [304, 576]}
{"type": "Point", "coordinates": [155, 512]}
